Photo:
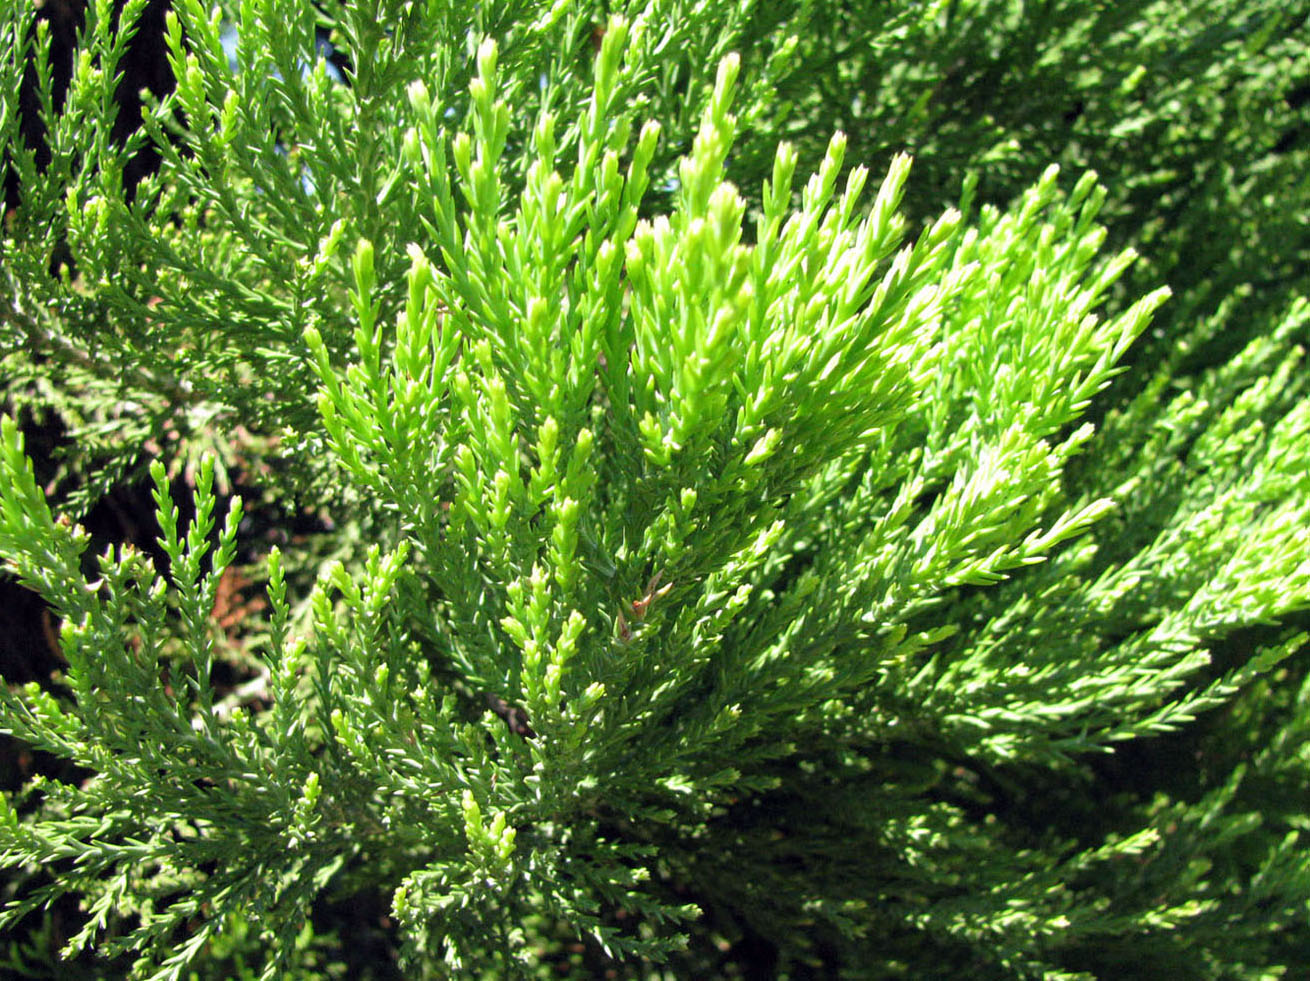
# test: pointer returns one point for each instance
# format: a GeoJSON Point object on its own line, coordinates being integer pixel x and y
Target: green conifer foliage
{"type": "Point", "coordinates": [734, 534]}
